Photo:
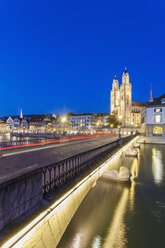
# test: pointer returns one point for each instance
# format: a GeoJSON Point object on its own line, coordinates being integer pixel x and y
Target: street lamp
{"type": "Point", "coordinates": [63, 120]}
{"type": "Point", "coordinates": [120, 118]}
{"type": "Point", "coordinates": [131, 127]}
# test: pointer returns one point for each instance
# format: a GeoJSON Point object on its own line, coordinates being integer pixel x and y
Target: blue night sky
{"type": "Point", "coordinates": [61, 56]}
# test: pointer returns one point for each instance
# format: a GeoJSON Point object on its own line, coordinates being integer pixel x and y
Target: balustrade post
{"type": "Point", "coordinates": [49, 182]}
{"type": "Point", "coordinates": [44, 180]}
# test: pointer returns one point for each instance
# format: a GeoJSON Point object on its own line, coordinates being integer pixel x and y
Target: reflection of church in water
{"type": "Point", "coordinates": [121, 102]}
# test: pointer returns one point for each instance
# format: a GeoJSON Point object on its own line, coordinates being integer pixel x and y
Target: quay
{"type": "Point", "coordinates": [152, 140]}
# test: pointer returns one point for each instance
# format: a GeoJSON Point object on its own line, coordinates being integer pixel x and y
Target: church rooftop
{"type": "Point", "coordinates": [140, 104]}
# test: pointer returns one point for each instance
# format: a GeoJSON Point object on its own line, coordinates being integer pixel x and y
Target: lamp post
{"type": "Point", "coordinates": [111, 125]}
{"type": "Point", "coordinates": [136, 127]}
{"type": "Point", "coordinates": [120, 118]}
{"type": "Point", "coordinates": [131, 128]}
{"type": "Point", "coordinates": [63, 120]}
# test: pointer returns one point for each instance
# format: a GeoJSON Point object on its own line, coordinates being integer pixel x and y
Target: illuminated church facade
{"type": "Point", "coordinates": [129, 112]}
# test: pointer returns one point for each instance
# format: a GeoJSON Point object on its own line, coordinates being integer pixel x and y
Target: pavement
{"type": "Point", "coordinates": [14, 160]}
{"type": "Point", "coordinates": [152, 140]}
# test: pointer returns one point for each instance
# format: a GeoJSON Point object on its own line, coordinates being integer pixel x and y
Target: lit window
{"type": "Point", "coordinates": [158, 110]}
{"type": "Point", "coordinates": [163, 100]}
{"type": "Point", "coordinates": [158, 118]}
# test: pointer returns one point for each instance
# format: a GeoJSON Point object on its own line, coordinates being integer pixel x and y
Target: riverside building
{"type": "Point", "coordinates": [153, 117]}
{"type": "Point", "coordinates": [85, 123]}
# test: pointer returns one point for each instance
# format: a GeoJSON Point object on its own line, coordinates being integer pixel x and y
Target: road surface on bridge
{"type": "Point", "coordinates": [13, 160]}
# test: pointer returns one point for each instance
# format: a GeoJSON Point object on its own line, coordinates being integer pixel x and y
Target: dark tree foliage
{"type": "Point", "coordinates": [113, 120]}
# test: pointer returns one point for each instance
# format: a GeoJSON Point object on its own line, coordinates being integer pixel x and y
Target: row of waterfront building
{"type": "Point", "coordinates": [145, 117]}
{"type": "Point", "coordinates": [70, 124]}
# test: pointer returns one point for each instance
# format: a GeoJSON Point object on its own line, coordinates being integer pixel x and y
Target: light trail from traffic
{"type": "Point", "coordinates": [55, 141]}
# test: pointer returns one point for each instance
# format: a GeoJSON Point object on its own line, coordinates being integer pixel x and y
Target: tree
{"type": "Point", "coordinates": [71, 114]}
{"type": "Point", "coordinates": [113, 120]}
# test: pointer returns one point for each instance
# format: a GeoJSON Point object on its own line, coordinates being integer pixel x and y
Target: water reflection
{"type": "Point", "coordinates": [99, 219]}
{"type": "Point", "coordinates": [77, 240]}
{"type": "Point", "coordinates": [119, 215]}
{"type": "Point", "coordinates": [157, 166]}
{"type": "Point", "coordinates": [97, 242]}
{"type": "Point", "coordinates": [93, 218]}
{"type": "Point", "coordinates": [116, 231]}
{"type": "Point", "coordinates": [134, 174]}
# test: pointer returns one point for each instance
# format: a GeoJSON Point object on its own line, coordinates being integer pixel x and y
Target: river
{"type": "Point", "coordinates": [124, 215]}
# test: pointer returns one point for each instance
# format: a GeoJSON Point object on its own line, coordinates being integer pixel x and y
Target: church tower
{"type": "Point", "coordinates": [151, 99]}
{"type": "Point", "coordinates": [21, 115]}
{"type": "Point", "coordinates": [115, 97]}
{"type": "Point", "coordinates": [126, 99]}
{"type": "Point", "coordinates": [121, 102]}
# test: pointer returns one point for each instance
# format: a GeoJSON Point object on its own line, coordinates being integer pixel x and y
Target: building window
{"type": "Point", "coordinates": [158, 110]}
{"type": "Point", "coordinates": [157, 131]}
{"type": "Point", "coordinates": [163, 100]}
{"type": "Point", "coordinates": [158, 118]}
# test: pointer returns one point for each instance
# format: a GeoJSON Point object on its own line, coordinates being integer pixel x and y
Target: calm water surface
{"type": "Point", "coordinates": [119, 215]}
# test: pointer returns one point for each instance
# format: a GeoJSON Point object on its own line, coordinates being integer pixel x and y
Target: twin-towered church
{"type": "Point", "coordinates": [121, 102]}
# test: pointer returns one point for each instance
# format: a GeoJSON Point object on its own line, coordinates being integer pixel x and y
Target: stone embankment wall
{"type": "Point", "coordinates": [19, 193]}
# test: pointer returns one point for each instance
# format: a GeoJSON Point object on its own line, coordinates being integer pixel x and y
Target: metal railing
{"type": "Point", "coordinates": [13, 143]}
{"type": "Point", "coordinates": [10, 143]}
{"type": "Point", "coordinates": [58, 173]}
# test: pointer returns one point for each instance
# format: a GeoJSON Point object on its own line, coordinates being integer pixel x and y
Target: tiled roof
{"type": "Point", "coordinates": [157, 101]}
{"type": "Point", "coordinates": [140, 104]}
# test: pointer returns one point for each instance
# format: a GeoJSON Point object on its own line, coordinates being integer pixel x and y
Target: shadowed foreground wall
{"type": "Point", "coordinates": [18, 194]}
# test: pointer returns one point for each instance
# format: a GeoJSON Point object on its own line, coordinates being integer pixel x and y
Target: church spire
{"type": "Point", "coordinates": [125, 77]}
{"type": "Point", "coordinates": [21, 115]}
{"type": "Point", "coordinates": [151, 99]}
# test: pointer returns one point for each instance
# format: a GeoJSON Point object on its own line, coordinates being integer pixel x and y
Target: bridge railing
{"type": "Point", "coordinates": [19, 142]}
{"type": "Point", "coordinates": [56, 174]}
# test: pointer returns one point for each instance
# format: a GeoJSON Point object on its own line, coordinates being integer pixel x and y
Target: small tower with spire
{"type": "Point", "coordinates": [151, 99]}
{"type": "Point", "coordinates": [115, 96]}
{"type": "Point", "coordinates": [21, 115]}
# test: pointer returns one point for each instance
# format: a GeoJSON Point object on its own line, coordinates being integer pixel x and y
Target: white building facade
{"type": "Point", "coordinates": [153, 118]}
{"type": "Point", "coordinates": [84, 123]}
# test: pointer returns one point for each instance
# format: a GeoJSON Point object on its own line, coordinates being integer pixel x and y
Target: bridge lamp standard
{"type": "Point", "coordinates": [112, 131]}
{"type": "Point", "coordinates": [136, 128]}
{"type": "Point", "coordinates": [132, 127]}
{"type": "Point", "coordinates": [120, 118]}
{"type": "Point", "coordinates": [64, 120]}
